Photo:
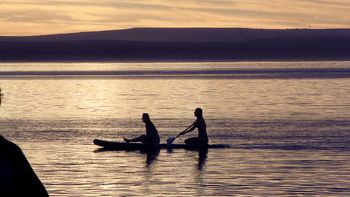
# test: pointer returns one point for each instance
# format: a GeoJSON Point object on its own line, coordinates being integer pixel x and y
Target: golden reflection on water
{"type": "Point", "coordinates": [174, 98]}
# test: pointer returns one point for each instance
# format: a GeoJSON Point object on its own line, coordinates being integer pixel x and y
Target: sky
{"type": "Point", "coordinates": [38, 17]}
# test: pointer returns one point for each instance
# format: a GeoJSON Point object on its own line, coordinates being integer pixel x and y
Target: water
{"type": "Point", "coordinates": [288, 125]}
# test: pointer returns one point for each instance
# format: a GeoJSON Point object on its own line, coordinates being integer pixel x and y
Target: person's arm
{"type": "Point", "coordinates": [193, 127]}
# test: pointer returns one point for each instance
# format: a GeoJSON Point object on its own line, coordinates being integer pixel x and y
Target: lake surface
{"type": "Point", "coordinates": [288, 125]}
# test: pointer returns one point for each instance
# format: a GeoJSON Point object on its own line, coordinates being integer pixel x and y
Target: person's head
{"type": "Point", "coordinates": [145, 117]}
{"type": "Point", "coordinates": [198, 112]}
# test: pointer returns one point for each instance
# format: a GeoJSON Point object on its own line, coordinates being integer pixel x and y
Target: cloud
{"type": "Point", "coordinates": [27, 17]}
{"type": "Point", "coordinates": [33, 15]}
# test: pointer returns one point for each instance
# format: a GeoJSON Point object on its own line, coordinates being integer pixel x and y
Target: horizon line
{"type": "Point", "coordinates": [133, 28]}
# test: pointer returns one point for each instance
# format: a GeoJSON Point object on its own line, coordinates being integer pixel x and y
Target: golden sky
{"type": "Point", "coordinates": [33, 17]}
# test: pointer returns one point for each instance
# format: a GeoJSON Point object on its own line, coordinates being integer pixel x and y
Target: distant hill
{"type": "Point", "coordinates": [144, 44]}
{"type": "Point", "coordinates": [207, 35]}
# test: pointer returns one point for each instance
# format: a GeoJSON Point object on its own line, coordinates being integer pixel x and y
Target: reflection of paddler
{"type": "Point", "coordinates": [1, 95]}
{"type": "Point", "coordinates": [17, 177]}
{"type": "Point", "coordinates": [152, 155]}
{"type": "Point", "coordinates": [202, 158]}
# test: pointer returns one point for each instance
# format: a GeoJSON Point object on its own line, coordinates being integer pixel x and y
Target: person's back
{"type": "Point", "coordinates": [202, 129]}
{"type": "Point", "coordinates": [152, 134]}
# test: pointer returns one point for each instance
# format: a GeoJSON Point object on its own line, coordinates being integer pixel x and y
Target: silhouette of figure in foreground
{"type": "Point", "coordinates": [202, 138]}
{"type": "Point", "coordinates": [17, 177]}
{"type": "Point", "coordinates": [151, 138]}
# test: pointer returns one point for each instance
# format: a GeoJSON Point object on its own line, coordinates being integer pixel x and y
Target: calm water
{"type": "Point", "coordinates": [288, 125]}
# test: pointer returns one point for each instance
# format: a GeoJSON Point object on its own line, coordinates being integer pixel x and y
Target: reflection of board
{"type": "Point", "coordinates": [139, 146]}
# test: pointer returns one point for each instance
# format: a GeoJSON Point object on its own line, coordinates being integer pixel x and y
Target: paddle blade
{"type": "Point", "coordinates": [170, 140]}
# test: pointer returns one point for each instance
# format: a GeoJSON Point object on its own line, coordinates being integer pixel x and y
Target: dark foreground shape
{"type": "Point", "coordinates": [17, 177]}
{"type": "Point", "coordinates": [138, 146]}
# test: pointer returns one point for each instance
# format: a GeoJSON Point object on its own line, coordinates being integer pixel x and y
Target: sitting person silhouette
{"type": "Point", "coordinates": [202, 138]}
{"type": "Point", "coordinates": [151, 137]}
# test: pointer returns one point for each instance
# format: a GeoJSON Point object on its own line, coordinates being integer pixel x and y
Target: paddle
{"type": "Point", "coordinates": [170, 140]}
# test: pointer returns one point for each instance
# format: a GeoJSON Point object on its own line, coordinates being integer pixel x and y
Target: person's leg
{"type": "Point", "coordinates": [141, 138]}
{"type": "Point", "coordinates": [193, 140]}
{"type": "Point", "coordinates": [196, 141]}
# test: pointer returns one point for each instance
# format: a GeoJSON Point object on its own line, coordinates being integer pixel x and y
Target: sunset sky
{"type": "Point", "coordinates": [33, 17]}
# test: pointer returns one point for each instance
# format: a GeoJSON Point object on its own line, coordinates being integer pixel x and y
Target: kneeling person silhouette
{"type": "Point", "coordinates": [202, 138]}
